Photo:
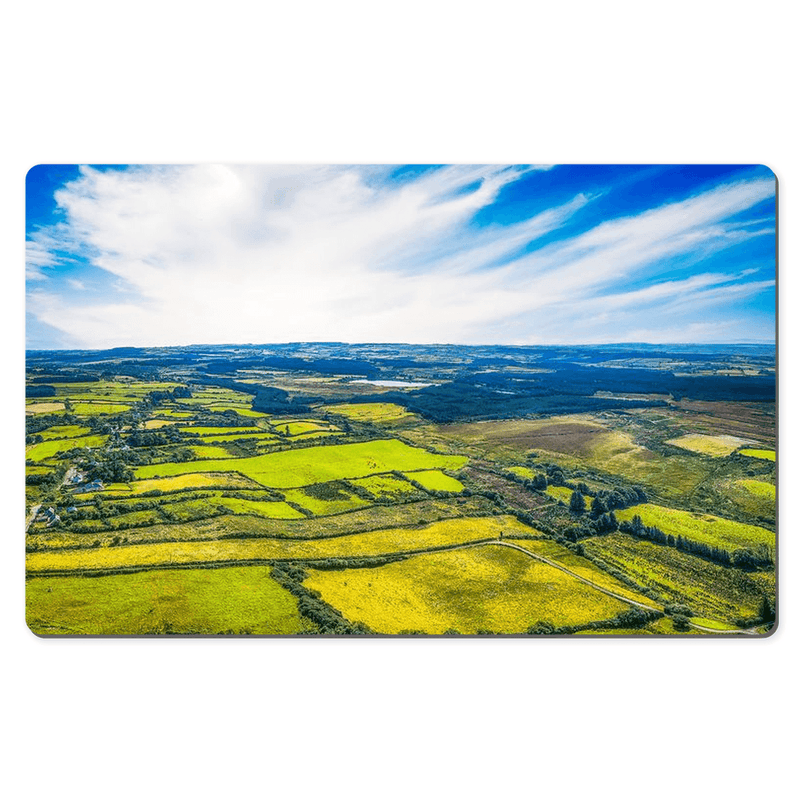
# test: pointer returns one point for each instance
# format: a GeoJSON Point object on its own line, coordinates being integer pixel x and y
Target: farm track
{"type": "Point", "coordinates": [602, 589]}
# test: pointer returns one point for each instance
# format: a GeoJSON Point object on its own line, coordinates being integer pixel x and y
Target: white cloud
{"type": "Point", "coordinates": [277, 253]}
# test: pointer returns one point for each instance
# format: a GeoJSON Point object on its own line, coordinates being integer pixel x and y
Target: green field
{"type": "Point", "coordinates": [435, 480]}
{"type": "Point", "coordinates": [322, 499]}
{"type": "Point", "coordinates": [768, 455]}
{"type": "Point", "coordinates": [64, 432]}
{"type": "Point", "coordinates": [461, 591]}
{"type": "Point", "coordinates": [710, 590]}
{"type": "Point", "coordinates": [296, 468]}
{"type": "Point", "coordinates": [707, 528]}
{"type": "Point", "coordinates": [88, 409]}
{"type": "Point", "coordinates": [385, 486]}
{"type": "Point", "coordinates": [45, 450]}
{"type": "Point", "coordinates": [199, 601]}
{"type": "Point", "coordinates": [258, 508]}
{"type": "Point", "coordinates": [399, 521]}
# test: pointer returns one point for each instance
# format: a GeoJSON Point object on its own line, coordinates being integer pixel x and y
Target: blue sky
{"type": "Point", "coordinates": [526, 254]}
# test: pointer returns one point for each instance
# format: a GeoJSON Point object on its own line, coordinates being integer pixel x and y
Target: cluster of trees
{"type": "Point", "coordinates": [743, 558]}
{"type": "Point", "coordinates": [40, 391]}
{"type": "Point", "coordinates": [634, 617]}
{"type": "Point", "coordinates": [160, 396]}
{"type": "Point", "coordinates": [311, 605]}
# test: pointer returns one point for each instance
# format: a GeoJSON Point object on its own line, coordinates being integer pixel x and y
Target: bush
{"type": "Point", "coordinates": [680, 623]}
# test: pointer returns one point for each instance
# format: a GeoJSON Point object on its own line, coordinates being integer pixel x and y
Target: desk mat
{"type": "Point", "coordinates": [335, 400]}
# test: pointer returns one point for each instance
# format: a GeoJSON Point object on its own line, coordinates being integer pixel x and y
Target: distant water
{"type": "Point", "coordinates": [394, 384]}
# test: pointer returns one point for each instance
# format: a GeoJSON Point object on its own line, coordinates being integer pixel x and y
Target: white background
{"type": "Point", "coordinates": [366, 82]}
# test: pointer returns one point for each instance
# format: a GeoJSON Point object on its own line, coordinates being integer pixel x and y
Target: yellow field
{"type": "Point", "coordinates": [581, 566]}
{"type": "Point", "coordinates": [203, 430]}
{"type": "Point", "coordinates": [468, 590]}
{"type": "Point", "coordinates": [435, 480]}
{"type": "Point", "coordinates": [87, 409]}
{"type": "Point", "coordinates": [43, 408]}
{"type": "Point", "coordinates": [760, 489]}
{"type": "Point", "coordinates": [716, 446]}
{"type": "Point", "coordinates": [565, 494]}
{"type": "Point", "coordinates": [372, 543]}
{"type": "Point", "coordinates": [194, 480]}
{"type": "Point", "coordinates": [769, 455]}
{"type": "Point", "coordinates": [707, 528]}
{"type": "Point", "coordinates": [371, 412]}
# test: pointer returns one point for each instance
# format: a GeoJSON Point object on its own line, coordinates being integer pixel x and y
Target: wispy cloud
{"type": "Point", "coordinates": [212, 253]}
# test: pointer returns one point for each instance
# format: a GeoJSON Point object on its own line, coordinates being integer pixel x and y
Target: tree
{"type": "Point", "coordinates": [577, 503]}
{"type": "Point", "coordinates": [765, 610]}
{"type": "Point", "coordinates": [598, 507]}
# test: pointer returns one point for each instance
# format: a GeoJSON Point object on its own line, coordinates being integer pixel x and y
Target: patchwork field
{"type": "Point", "coordinates": [270, 501]}
{"type": "Point", "coordinates": [370, 544]}
{"type": "Point", "coordinates": [458, 591]}
{"type": "Point", "coordinates": [295, 468]}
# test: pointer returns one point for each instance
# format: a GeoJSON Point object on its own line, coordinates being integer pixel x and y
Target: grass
{"type": "Point", "coordinates": [88, 409]}
{"type": "Point", "coordinates": [435, 480]}
{"type": "Point", "coordinates": [707, 528]}
{"type": "Point", "coordinates": [43, 408]}
{"type": "Point", "coordinates": [483, 588]}
{"type": "Point", "coordinates": [564, 494]}
{"type": "Point", "coordinates": [301, 426]}
{"type": "Point", "coordinates": [325, 498]}
{"type": "Point", "coordinates": [715, 446]}
{"type": "Point", "coordinates": [522, 472]}
{"type": "Point", "coordinates": [261, 436]}
{"type": "Point", "coordinates": [45, 450]}
{"type": "Point", "coordinates": [203, 430]}
{"type": "Point", "coordinates": [199, 601]}
{"type": "Point", "coordinates": [302, 467]}
{"type": "Point", "coordinates": [195, 480]}
{"type": "Point", "coordinates": [372, 543]}
{"type": "Point", "coordinates": [581, 566]}
{"type": "Point", "coordinates": [404, 515]}
{"type": "Point", "coordinates": [64, 432]}
{"type": "Point", "coordinates": [202, 451]}
{"type": "Point", "coordinates": [710, 590]}
{"type": "Point", "coordinates": [769, 455]}
{"type": "Point", "coordinates": [388, 487]}
{"type": "Point", "coordinates": [372, 412]}
{"type": "Point", "coordinates": [259, 508]}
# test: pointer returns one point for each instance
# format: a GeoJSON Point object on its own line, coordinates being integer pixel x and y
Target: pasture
{"type": "Point", "coordinates": [469, 590]}
{"type": "Point", "coordinates": [435, 480]}
{"type": "Point", "coordinates": [48, 449]}
{"type": "Point", "coordinates": [707, 528]}
{"type": "Point", "coordinates": [768, 455]}
{"type": "Point", "coordinates": [714, 446]}
{"type": "Point", "coordinates": [710, 590]}
{"type": "Point", "coordinates": [303, 467]}
{"type": "Point", "coordinates": [372, 412]}
{"type": "Point", "coordinates": [372, 543]}
{"type": "Point", "coordinates": [235, 600]}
